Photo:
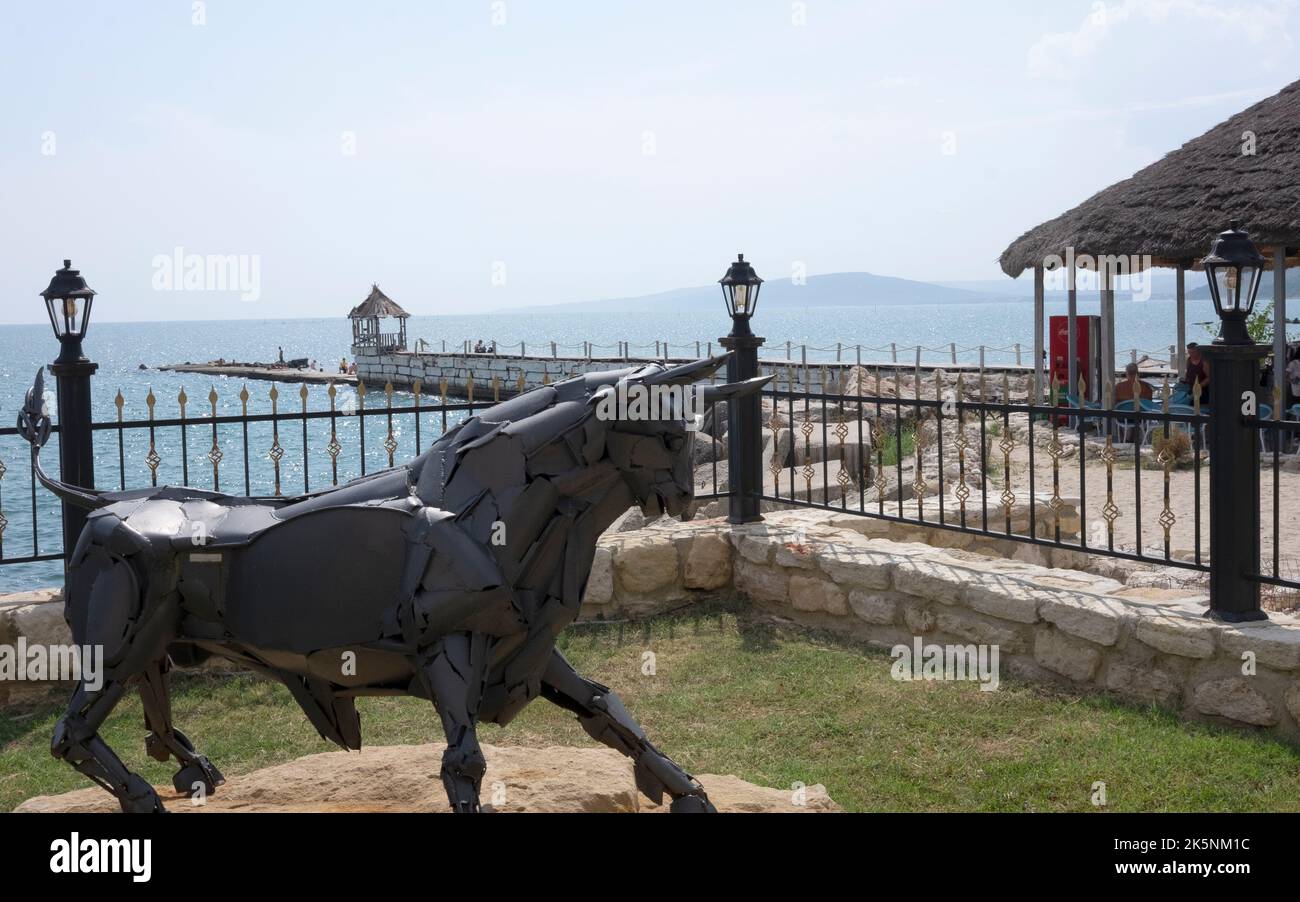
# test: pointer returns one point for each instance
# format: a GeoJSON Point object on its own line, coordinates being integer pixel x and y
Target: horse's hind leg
{"type": "Point", "coordinates": [77, 741]}
{"type": "Point", "coordinates": [452, 670]}
{"type": "Point", "coordinates": [197, 774]}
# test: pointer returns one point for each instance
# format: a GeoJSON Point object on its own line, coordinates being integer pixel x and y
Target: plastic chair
{"type": "Point", "coordinates": [1072, 401]}
{"type": "Point", "coordinates": [1188, 428]}
{"type": "Point", "coordinates": [1125, 428]}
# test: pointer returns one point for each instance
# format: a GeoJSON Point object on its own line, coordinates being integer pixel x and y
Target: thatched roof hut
{"type": "Point", "coordinates": [1170, 210]}
{"type": "Point", "coordinates": [378, 304]}
{"type": "Point", "coordinates": [366, 333]}
{"type": "Point", "coordinates": [1167, 214]}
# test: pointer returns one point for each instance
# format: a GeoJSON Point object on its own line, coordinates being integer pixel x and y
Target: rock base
{"type": "Point", "coordinates": [405, 779]}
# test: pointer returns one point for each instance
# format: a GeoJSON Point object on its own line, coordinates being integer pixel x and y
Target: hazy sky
{"type": "Point", "coordinates": [580, 150]}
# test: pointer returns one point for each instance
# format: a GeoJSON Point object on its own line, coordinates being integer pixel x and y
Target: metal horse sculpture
{"type": "Point", "coordinates": [448, 578]}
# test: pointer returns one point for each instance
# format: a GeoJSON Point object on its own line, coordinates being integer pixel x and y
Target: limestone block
{"type": "Point", "coordinates": [1006, 598]}
{"type": "Point", "coordinates": [600, 585]}
{"type": "Point", "coordinates": [812, 593]}
{"type": "Point", "coordinates": [934, 580]}
{"type": "Point", "coordinates": [646, 565]}
{"type": "Point", "coordinates": [1176, 635]}
{"type": "Point", "coordinates": [708, 562]}
{"type": "Point", "coordinates": [979, 631]}
{"type": "Point", "coordinates": [1069, 657]}
{"type": "Point", "coordinates": [1143, 682]}
{"type": "Point", "coordinates": [1088, 618]}
{"type": "Point", "coordinates": [762, 583]}
{"type": "Point", "coordinates": [1235, 699]}
{"type": "Point", "coordinates": [874, 607]}
{"type": "Point", "coordinates": [1272, 645]}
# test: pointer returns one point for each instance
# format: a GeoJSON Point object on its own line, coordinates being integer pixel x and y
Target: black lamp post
{"type": "Point", "coordinates": [1233, 268]}
{"type": "Point", "coordinates": [740, 287]}
{"type": "Point", "coordinates": [68, 301]}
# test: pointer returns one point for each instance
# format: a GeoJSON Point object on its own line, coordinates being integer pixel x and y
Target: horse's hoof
{"type": "Point", "coordinates": [201, 776]}
{"type": "Point", "coordinates": [141, 798]}
{"type": "Point", "coordinates": [693, 803]}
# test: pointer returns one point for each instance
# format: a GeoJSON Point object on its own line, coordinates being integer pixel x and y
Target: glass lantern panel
{"type": "Point", "coordinates": [1225, 280]}
{"type": "Point", "coordinates": [741, 299]}
{"type": "Point", "coordinates": [1249, 279]}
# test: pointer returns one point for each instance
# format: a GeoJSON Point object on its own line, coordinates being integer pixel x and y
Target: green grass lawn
{"type": "Point", "coordinates": [774, 707]}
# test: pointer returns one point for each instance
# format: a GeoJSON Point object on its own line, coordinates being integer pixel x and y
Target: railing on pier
{"type": "Point", "coordinates": [949, 354]}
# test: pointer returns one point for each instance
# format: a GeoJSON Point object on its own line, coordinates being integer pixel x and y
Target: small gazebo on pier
{"type": "Point", "coordinates": [1167, 214]}
{"type": "Point", "coordinates": [367, 334]}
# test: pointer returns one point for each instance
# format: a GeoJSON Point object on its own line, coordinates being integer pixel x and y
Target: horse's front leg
{"type": "Point", "coordinates": [453, 669]}
{"type": "Point", "coordinates": [603, 716]}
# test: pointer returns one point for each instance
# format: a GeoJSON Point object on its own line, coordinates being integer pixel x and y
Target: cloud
{"type": "Point", "coordinates": [1061, 55]}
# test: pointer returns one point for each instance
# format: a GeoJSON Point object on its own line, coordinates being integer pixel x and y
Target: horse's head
{"type": "Point", "coordinates": [650, 415]}
{"type": "Point", "coordinates": [628, 429]}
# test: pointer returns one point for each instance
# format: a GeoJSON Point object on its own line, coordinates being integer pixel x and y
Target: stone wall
{"type": "Point", "coordinates": [36, 617]}
{"type": "Point", "coordinates": [1051, 624]}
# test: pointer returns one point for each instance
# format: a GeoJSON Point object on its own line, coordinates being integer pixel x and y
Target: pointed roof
{"type": "Point", "coordinates": [1173, 208]}
{"type": "Point", "coordinates": [377, 304]}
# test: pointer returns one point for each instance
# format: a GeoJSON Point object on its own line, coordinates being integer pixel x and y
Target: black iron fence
{"type": "Point", "coordinates": [283, 439]}
{"type": "Point", "coordinates": [996, 457]}
{"type": "Point", "coordinates": [983, 456]}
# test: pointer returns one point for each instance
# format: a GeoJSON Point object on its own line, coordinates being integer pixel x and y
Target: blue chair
{"type": "Point", "coordinates": [1072, 401]}
{"type": "Point", "coordinates": [1125, 428]}
{"type": "Point", "coordinates": [1181, 410]}
{"type": "Point", "coordinates": [1266, 434]}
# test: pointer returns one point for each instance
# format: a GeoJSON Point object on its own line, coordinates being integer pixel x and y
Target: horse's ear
{"type": "Point", "coordinates": [687, 373]}
{"type": "Point", "coordinates": [730, 391]}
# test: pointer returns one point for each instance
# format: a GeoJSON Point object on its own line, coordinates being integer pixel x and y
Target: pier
{"type": "Point", "coordinates": [498, 375]}
{"type": "Point", "coordinates": [265, 372]}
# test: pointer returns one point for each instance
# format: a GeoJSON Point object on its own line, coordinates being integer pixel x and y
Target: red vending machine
{"type": "Point", "coordinates": [1087, 345]}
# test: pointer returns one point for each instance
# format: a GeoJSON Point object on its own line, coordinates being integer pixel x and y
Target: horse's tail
{"type": "Point", "coordinates": [34, 425]}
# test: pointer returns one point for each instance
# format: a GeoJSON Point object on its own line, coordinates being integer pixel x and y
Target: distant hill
{"type": "Point", "coordinates": [843, 289]}
{"type": "Point", "coordinates": [864, 289]}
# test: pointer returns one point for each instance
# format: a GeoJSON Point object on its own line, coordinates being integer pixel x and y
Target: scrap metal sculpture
{"type": "Point", "coordinates": [448, 578]}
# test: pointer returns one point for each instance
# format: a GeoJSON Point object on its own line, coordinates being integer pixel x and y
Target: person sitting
{"type": "Point", "coordinates": [478, 346]}
{"type": "Point", "coordinates": [1197, 373]}
{"type": "Point", "coordinates": [343, 365]}
{"type": "Point", "coordinates": [1132, 388]}
{"type": "Point", "coordinates": [352, 368]}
